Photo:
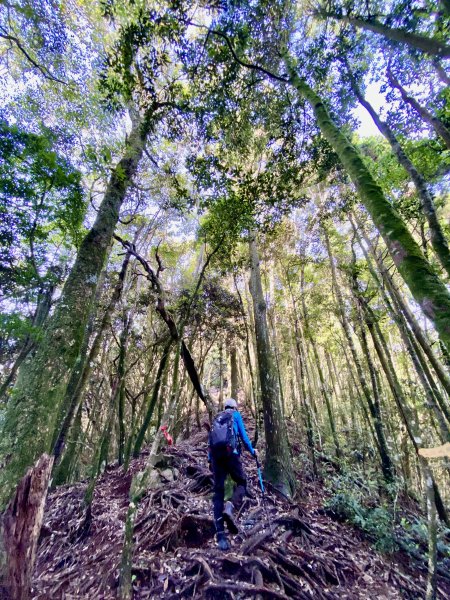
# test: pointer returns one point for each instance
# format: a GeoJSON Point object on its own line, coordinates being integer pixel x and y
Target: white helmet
{"type": "Point", "coordinates": [230, 403]}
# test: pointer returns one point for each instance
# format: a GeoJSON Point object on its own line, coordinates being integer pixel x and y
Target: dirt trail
{"type": "Point", "coordinates": [308, 555]}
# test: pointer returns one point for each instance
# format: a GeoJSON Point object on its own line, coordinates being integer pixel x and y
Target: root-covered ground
{"type": "Point", "coordinates": [285, 550]}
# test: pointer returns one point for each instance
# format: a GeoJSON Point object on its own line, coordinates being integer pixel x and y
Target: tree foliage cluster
{"type": "Point", "coordinates": [193, 212]}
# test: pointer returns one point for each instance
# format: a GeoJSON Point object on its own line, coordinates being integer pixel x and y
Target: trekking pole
{"type": "Point", "coordinates": [263, 494]}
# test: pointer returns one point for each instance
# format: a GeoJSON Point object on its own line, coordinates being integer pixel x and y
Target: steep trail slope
{"type": "Point", "coordinates": [304, 554]}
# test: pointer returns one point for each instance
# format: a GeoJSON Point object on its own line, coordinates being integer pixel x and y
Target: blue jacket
{"type": "Point", "coordinates": [241, 434]}
{"type": "Point", "coordinates": [239, 430]}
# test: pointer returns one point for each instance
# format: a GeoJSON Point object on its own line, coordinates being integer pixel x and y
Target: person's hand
{"type": "Point", "coordinates": [255, 453]}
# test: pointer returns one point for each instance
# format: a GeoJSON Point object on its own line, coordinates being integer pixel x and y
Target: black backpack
{"type": "Point", "coordinates": [222, 439]}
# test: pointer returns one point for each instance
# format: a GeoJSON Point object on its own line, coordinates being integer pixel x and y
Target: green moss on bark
{"type": "Point", "coordinates": [426, 287]}
{"type": "Point", "coordinates": [31, 414]}
{"type": "Point", "coordinates": [278, 465]}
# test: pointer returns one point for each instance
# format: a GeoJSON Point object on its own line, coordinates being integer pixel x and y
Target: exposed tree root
{"type": "Point", "coordinates": [304, 554]}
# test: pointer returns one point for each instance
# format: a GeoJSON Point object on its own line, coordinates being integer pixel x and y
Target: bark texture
{"type": "Point", "coordinates": [73, 397]}
{"type": "Point", "coordinates": [22, 522]}
{"type": "Point", "coordinates": [278, 466]}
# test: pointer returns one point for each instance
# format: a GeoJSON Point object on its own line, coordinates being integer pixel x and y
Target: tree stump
{"type": "Point", "coordinates": [21, 524]}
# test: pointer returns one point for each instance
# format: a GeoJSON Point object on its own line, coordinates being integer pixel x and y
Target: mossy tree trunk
{"type": "Point", "coordinates": [404, 309]}
{"type": "Point", "coordinates": [30, 417]}
{"type": "Point", "coordinates": [152, 399]}
{"type": "Point", "coordinates": [278, 465]}
{"type": "Point", "coordinates": [426, 287]}
{"type": "Point", "coordinates": [74, 392]}
{"type": "Point", "coordinates": [69, 466]}
{"type": "Point", "coordinates": [432, 391]}
{"type": "Point", "coordinates": [438, 239]}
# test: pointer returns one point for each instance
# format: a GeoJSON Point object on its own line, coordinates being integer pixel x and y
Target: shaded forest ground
{"type": "Point", "coordinates": [303, 553]}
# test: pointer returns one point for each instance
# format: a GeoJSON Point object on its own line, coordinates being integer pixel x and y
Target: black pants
{"type": "Point", "coordinates": [223, 466]}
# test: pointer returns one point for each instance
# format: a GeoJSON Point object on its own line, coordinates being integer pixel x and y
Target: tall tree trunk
{"type": "Point", "coordinates": [426, 287]}
{"type": "Point", "coordinates": [363, 408]}
{"type": "Point", "coordinates": [253, 383]}
{"type": "Point", "coordinates": [74, 392]}
{"type": "Point", "coordinates": [438, 126]}
{"type": "Point", "coordinates": [374, 405]}
{"type": "Point", "coordinates": [68, 466]}
{"type": "Point", "coordinates": [278, 466]}
{"type": "Point", "coordinates": [234, 375]}
{"type": "Point", "coordinates": [303, 376]}
{"type": "Point", "coordinates": [420, 42]}
{"type": "Point", "coordinates": [323, 384]}
{"type": "Point", "coordinates": [412, 321]}
{"type": "Point", "coordinates": [413, 349]}
{"type": "Point", "coordinates": [126, 325]}
{"type": "Point", "coordinates": [375, 411]}
{"type": "Point", "coordinates": [153, 398]}
{"type": "Point", "coordinates": [438, 239]}
{"type": "Point", "coordinates": [276, 354]}
{"type": "Point", "coordinates": [30, 417]}
{"type": "Point", "coordinates": [410, 420]}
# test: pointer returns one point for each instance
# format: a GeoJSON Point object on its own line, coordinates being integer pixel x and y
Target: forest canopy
{"type": "Point", "coordinates": [247, 200]}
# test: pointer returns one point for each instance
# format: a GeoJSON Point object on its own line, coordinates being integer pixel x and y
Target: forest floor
{"type": "Point", "coordinates": [287, 550]}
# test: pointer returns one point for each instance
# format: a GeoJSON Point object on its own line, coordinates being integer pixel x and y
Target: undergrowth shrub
{"type": "Point", "coordinates": [355, 501]}
{"type": "Point", "coordinates": [381, 517]}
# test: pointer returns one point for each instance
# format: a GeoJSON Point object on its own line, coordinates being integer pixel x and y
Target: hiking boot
{"type": "Point", "coordinates": [222, 541]}
{"type": "Point", "coordinates": [228, 517]}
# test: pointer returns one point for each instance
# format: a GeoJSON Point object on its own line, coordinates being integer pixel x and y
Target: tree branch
{"type": "Point", "coordinates": [236, 57]}
{"type": "Point", "coordinates": [45, 72]}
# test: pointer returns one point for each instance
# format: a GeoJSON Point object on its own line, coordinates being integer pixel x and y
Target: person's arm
{"type": "Point", "coordinates": [242, 432]}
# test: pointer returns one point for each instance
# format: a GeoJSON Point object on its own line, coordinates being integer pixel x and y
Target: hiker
{"type": "Point", "coordinates": [227, 432]}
